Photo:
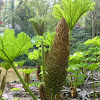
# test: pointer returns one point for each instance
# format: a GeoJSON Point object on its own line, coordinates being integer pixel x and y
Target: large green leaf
{"type": "Point", "coordinates": [72, 10]}
{"type": "Point", "coordinates": [11, 47]}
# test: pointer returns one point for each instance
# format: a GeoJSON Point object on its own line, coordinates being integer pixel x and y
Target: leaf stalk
{"type": "Point", "coordinates": [24, 84]}
{"type": "Point", "coordinates": [93, 85]}
{"type": "Point", "coordinates": [43, 59]}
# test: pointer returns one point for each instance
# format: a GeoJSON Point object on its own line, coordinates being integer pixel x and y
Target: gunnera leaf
{"type": "Point", "coordinates": [38, 25]}
{"type": "Point", "coordinates": [57, 59]}
{"type": "Point", "coordinates": [72, 10]}
{"type": "Point", "coordinates": [11, 47]}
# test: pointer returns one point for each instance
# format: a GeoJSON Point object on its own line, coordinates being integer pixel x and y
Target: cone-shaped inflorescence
{"type": "Point", "coordinates": [57, 59]}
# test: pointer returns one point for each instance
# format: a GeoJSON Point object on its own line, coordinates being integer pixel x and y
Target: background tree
{"type": "Point", "coordinates": [1, 4]}
{"type": "Point", "coordinates": [16, 14]}
{"type": "Point", "coordinates": [92, 21]}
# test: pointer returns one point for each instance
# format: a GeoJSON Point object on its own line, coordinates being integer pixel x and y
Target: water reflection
{"type": "Point", "coordinates": [11, 76]}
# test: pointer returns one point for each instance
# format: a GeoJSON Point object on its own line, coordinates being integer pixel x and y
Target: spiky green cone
{"type": "Point", "coordinates": [57, 59]}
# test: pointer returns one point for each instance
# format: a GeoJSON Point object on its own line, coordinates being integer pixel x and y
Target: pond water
{"type": "Point", "coordinates": [11, 75]}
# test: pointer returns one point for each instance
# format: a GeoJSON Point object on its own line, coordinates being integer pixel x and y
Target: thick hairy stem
{"type": "Point", "coordinates": [52, 96]}
{"type": "Point", "coordinates": [70, 32]}
{"type": "Point", "coordinates": [40, 68]}
{"type": "Point", "coordinates": [43, 59]}
{"type": "Point", "coordinates": [24, 84]}
{"type": "Point", "coordinates": [40, 61]}
{"type": "Point", "coordinates": [71, 80]}
{"type": "Point", "coordinates": [93, 85]}
{"type": "Point", "coordinates": [0, 75]}
{"type": "Point", "coordinates": [76, 81]}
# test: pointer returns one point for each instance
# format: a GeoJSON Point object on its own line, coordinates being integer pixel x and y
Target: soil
{"type": "Point", "coordinates": [85, 89]}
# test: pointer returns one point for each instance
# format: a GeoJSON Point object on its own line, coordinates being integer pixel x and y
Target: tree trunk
{"type": "Point", "coordinates": [93, 24]}
{"type": "Point", "coordinates": [54, 1]}
{"type": "Point", "coordinates": [12, 8]}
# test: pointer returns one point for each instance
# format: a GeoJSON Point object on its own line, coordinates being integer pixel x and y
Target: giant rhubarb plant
{"type": "Point", "coordinates": [57, 60]}
{"type": "Point", "coordinates": [94, 42]}
{"type": "Point", "coordinates": [38, 25]}
{"type": "Point", "coordinates": [72, 10]}
{"type": "Point", "coordinates": [11, 47]}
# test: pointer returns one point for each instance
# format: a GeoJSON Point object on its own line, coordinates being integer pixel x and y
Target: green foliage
{"type": "Point", "coordinates": [0, 93]}
{"type": "Point", "coordinates": [5, 65]}
{"type": "Point", "coordinates": [98, 58]}
{"type": "Point", "coordinates": [11, 47]}
{"type": "Point", "coordinates": [47, 38]}
{"type": "Point", "coordinates": [77, 74]}
{"type": "Point", "coordinates": [21, 63]}
{"type": "Point", "coordinates": [37, 84]}
{"type": "Point", "coordinates": [80, 78]}
{"type": "Point", "coordinates": [16, 98]}
{"type": "Point", "coordinates": [2, 99]}
{"type": "Point", "coordinates": [28, 71]}
{"type": "Point", "coordinates": [38, 25]}
{"type": "Point", "coordinates": [77, 47]}
{"type": "Point", "coordinates": [72, 68]}
{"type": "Point", "coordinates": [36, 40]}
{"type": "Point", "coordinates": [95, 41]}
{"type": "Point", "coordinates": [75, 65]}
{"type": "Point", "coordinates": [93, 66]}
{"type": "Point", "coordinates": [76, 58]}
{"type": "Point", "coordinates": [88, 59]}
{"type": "Point", "coordinates": [15, 89]}
{"type": "Point", "coordinates": [34, 55]}
{"type": "Point", "coordinates": [94, 53]}
{"type": "Point", "coordinates": [72, 10]}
